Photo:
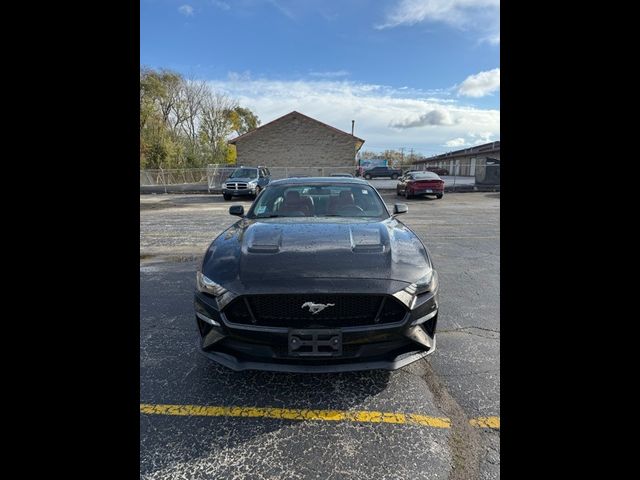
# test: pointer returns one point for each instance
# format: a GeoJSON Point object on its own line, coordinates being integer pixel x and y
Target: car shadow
{"type": "Point", "coordinates": [414, 199]}
{"type": "Point", "coordinates": [425, 198]}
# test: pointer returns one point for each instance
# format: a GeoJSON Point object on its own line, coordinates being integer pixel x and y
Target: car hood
{"type": "Point", "coordinates": [282, 251]}
{"type": "Point", "coordinates": [240, 179]}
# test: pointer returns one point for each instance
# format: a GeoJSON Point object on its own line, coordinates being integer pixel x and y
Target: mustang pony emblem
{"type": "Point", "coordinates": [317, 307]}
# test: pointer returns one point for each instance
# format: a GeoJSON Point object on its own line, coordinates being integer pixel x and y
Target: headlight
{"type": "Point", "coordinates": [206, 285]}
{"type": "Point", "coordinates": [253, 184]}
{"type": "Point", "coordinates": [427, 283]}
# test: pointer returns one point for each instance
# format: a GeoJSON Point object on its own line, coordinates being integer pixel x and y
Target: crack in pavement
{"type": "Point", "coordinates": [465, 445]}
{"type": "Point", "coordinates": [474, 334]}
{"type": "Point", "coordinates": [482, 328]}
{"type": "Point", "coordinates": [469, 374]}
{"type": "Point", "coordinates": [464, 330]}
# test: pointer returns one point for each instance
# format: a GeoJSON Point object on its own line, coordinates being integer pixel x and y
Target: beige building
{"type": "Point", "coordinates": [462, 162]}
{"type": "Point", "coordinates": [295, 140]}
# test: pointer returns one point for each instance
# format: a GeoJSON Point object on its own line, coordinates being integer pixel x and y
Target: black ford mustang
{"type": "Point", "coordinates": [317, 277]}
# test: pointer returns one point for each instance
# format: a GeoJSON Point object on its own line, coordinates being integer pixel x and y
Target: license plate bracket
{"type": "Point", "coordinates": [315, 343]}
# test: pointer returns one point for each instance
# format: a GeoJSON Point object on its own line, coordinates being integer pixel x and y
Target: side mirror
{"type": "Point", "coordinates": [237, 210]}
{"type": "Point", "coordinates": [398, 208]}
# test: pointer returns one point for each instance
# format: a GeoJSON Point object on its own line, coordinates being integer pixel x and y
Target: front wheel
{"type": "Point", "coordinates": [439, 196]}
{"type": "Point", "coordinates": [227, 197]}
{"type": "Point", "coordinates": [367, 176]}
{"type": "Point", "coordinates": [406, 195]}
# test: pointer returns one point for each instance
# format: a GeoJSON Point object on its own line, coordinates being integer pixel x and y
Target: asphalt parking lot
{"type": "Point", "coordinates": [435, 419]}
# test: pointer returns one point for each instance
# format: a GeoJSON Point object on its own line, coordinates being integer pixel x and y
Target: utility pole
{"type": "Point", "coordinates": [401, 155]}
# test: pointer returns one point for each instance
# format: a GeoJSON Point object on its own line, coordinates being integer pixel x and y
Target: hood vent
{"type": "Point", "coordinates": [266, 240]}
{"type": "Point", "coordinates": [366, 240]}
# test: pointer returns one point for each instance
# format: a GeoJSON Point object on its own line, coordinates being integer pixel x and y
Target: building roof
{"type": "Point", "coordinates": [484, 148]}
{"type": "Point", "coordinates": [293, 114]}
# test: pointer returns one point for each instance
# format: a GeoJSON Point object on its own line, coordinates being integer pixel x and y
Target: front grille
{"type": "Point", "coordinates": [287, 311]}
{"type": "Point", "coordinates": [236, 186]}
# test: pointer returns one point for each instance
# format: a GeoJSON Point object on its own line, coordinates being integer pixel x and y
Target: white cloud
{"type": "Point", "coordinates": [333, 74]}
{"type": "Point", "coordinates": [239, 76]}
{"type": "Point", "coordinates": [186, 10]}
{"type": "Point", "coordinates": [375, 108]}
{"type": "Point", "coordinates": [455, 142]}
{"type": "Point", "coordinates": [480, 84]}
{"type": "Point", "coordinates": [432, 117]}
{"type": "Point", "coordinates": [482, 15]}
{"type": "Point", "coordinates": [220, 5]}
{"type": "Point", "coordinates": [492, 39]}
{"type": "Point", "coordinates": [453, 12]}
{"type": "Point", "coordinates": [481, 137]}
{"type": "Point", "coordinates": [282, 9]}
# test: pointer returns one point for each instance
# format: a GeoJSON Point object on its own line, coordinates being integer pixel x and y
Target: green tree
{"type": "Point", "coordinates": [242, 120]}
{"type": "Point", "coordinates": [184, 124]}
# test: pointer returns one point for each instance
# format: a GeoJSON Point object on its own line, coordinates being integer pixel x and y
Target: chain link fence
{"type": "Point", "coordinates": [174, 176]}
{"type": "Point", "coordinates": [210, 179]}
{"type": "Point", "coordinates": [214, 175]}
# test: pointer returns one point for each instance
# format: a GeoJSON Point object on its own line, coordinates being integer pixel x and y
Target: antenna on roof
{"type": "Point", "coordinates": [353, 122]}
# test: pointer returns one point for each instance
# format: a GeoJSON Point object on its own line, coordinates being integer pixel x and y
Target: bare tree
{"type": "Point", "coordinates": [173, 85]}
{"type": "Point", "coordinates": [183, 123]}
{"type": "Point", "coordinates": [188, 109]}
{"type": "Point", "coordinates": [215, 125]}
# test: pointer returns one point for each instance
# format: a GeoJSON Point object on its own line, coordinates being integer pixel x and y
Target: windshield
{"type": "Point", "coordinates": [245, 173]}
{"type": "Point", "coordinates": [324, 200]}
{"type": "Point", "coordinates": [425, 176]}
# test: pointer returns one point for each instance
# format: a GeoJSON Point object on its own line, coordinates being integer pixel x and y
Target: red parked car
{"type": "Point", "coordinates": [420, 183]}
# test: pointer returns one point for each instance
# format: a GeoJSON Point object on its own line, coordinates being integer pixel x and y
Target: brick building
{"type": "Point", "coordinates": [462, 162]}
{"type": "Point", "coordinates": [296, 140]}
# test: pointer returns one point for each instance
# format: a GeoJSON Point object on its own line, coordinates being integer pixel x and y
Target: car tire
{"type": "Point", "coordinates": [439, 196]}
{"type": "Point", "coordinates": [227, 197]}
{"type": "Point", "coordinates": [406, 195]}
{"type": "Point", "coordinates": [394, 176]}
{"type": "Point", "coordinates": [367, 176]}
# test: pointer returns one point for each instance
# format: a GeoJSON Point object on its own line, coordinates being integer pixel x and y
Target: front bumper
{"type": "Point", "coordinates": [247, 347]}
{"type": "Point", "coordinates": [239, 192]}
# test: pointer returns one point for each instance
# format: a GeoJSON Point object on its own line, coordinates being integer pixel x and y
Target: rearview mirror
{"type": "Point", "coordinates": [398, 208]}
{"type": "Point", "coordinates": [237, 210]}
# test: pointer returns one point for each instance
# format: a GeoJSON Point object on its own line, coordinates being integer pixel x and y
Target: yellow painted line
{"type": "Point", "coordinates": [486, 422]}
{"type": "Point", "coordinates": [307, 414]}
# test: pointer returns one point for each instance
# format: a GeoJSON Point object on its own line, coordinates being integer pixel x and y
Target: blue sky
{"type": "Point", "coordinates": [421, 74]}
